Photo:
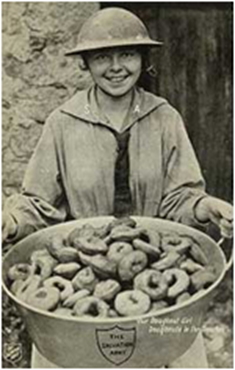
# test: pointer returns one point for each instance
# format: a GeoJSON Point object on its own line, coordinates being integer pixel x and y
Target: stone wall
{"type": "Point", "coordinates": [36, 76]}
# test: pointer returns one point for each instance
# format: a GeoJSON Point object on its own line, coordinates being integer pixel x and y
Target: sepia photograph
{"type": "Point", "coordinates": [117, 184]}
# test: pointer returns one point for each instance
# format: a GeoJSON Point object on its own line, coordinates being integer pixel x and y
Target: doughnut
{"type": "Point", "coordinates": [86, 231]}
{"type": "Point", "coordinates": [175, 242]}
{"type": "Point", "coordinates": [63, 311]}
{"type": "Point", "coordinates": [126, 233]}
{"type": "Point", "coordinates": [45, 298]}
{"type": "Point", "coordinates": [112, 313]}
{"type": "Point", "coordinates": [16, 285]}
{"type": "Point", "coordinates": [185, 244]}
{"type": "Point", "coordinates": [167, 261]}
{"type": "Point", "coordinates": [107, 289]}
{"type": "Point", "coordinates": [55, 244]}
{"type": "Point", "coordinates": [67, 254]}
{"type": "Point", "coordinates": [65, 286]}
{"type": "Point", "coordinates": [103, 231]}
{"type": "Point", "coordinates": [100, 264]}
{"type": "Point", "coordinates": [126, 221]}
{"type": "Point", "coordinates": [183, 297]}
{"type": "Point", "coordinates": [28, 286]}
{"type": "Point", "coordinates": [118, 250]}
{"type": "Point", "coordinates": [67, 270]}
{"type": "Point", "coordinates": [198, 255]}
{"type": "Point", "coordinates": [202, 279]}
{"type": "Point", "coordinates": [178, 281]}
{"type": "Point", "coordinates": [20, 271]}
{"type": "Point", "coordinates": [43, 263]}
{"type": "Point", "coordinates": [190, 266]}
{"type": "Point", "coordinates": [84, 258]}
{"type": "Point", "coordinates": [158, 305]}
{"type": "Point", "coordinates": [85, 279]}
{"type": "Point", "coordinates": [169, 241]}
{"type": "Point", "coordinates": [152, 283]}
{"type": "Point", "coordinates": [154, 238]}
{"type": "Point", "coordinates": [91, 307]}
{"type": "Point", "coordinates": [132, 303]}
{"type": "Point", "coordinates": [131, 264]}
{"type": "Point", "coordinates": [180, 260]}
{"type": "Point", "coordinates": [123, 222]}
{"type": "Point", "coordinates": [147, 248]}
{"type": "Point", "coordinates": [91, 246]}
{"type": "Point", "coordinates": [72, 299]}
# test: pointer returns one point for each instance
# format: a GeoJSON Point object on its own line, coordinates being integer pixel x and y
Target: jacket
{"type": "Point", "coordinates": [71, 172]}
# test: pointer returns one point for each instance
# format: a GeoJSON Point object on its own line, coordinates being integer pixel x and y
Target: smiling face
{"type": "Point", "coordinates": [115, 70]}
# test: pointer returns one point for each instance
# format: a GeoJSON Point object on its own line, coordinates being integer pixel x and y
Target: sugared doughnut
{"type": "Point", "coordinates": [100, 264]}
{"type": "Point", "coordinates": [20, 271]}
{"type": "Point", "coordinates": [178, 281]}
{"type": "Point", "coordinates": [63, 311]}
{"type": "Point", "coordinates": [131, 264]}
{"type": "Point", "coordinates": [65, 286]}
{"type": "Point", "coordinates": [147, 248]}
{"type": "Point", "coordinates": [152, 283]}
{"type": "Point", "coordinates": [169, 260]}
{"type": "Point", "coordinates": [72, 299]}
{"type": "Point", "coordinates": [107, 289]}
{"type": "Point", "coordinates": [67, 270]}
{"type": "Point", "coordinates": [118, 250]}
{"type": "Point", "coordinates": [28, 286]}
{"type": "Point", "coordinates": [126, 233]}
{"type": "Point", "coordinates": [91, 246]}
{"type": "Point", "coordinates": [132, 303]}
{"type": "Point", "coordinates": [158, 305]}
{"type": "Point", "coordinates": [43, 263]}
{"type": "Point", "coordinates": [45, 298]}
{"type": "Point", "coordinates": [202, 279]}
{"type": "Point", "coordinates": [91, 307]}
{"type": "Point", "coordinates": [85, 279]}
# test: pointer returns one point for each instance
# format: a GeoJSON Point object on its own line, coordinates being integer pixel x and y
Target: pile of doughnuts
{"type": "Point", "coordinates": [120, 269]}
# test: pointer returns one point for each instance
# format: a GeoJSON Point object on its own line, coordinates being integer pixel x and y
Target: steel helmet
{"type": "Point", "coordinates": [112, 27]}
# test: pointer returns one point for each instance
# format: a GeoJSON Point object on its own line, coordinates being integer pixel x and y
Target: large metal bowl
{"type": "Point", "coordinates": [124, 342]}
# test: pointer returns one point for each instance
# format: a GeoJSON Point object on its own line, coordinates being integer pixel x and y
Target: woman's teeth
{"type": "Point", "coordinates": [117, 79]}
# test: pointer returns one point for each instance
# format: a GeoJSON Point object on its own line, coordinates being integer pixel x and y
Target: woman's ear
{"type": "Point", "coordinates": [151, 71]}
{"type": "Point", "coordinates": [82, 64]}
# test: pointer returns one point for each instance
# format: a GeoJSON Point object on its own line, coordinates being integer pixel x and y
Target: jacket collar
{"type": "Point", "coordinates": [83, 105]}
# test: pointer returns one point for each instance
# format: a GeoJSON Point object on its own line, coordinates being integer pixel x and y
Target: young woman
{"type": "Point", "coordinates": [113, 149]}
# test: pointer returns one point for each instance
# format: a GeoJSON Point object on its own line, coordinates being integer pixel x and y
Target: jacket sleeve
{"type": "Point", "coordinates": [41, 202]}
{"type": "Point", "coordinates": [183, 185]}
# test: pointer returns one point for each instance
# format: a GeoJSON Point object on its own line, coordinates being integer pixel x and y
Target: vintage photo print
{"type": "Point", "coordinates": [117, 184]}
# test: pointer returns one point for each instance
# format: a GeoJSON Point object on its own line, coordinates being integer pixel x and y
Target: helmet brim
{"type": "Point", "coordinates": [115, 43]}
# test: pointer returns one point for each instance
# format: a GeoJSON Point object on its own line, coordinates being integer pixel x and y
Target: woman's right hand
{"type": "Point", "coordinates": [9, 227]}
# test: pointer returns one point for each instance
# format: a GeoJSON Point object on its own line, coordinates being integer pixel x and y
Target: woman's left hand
{"type": "Point", "coordinates": [217, 211]}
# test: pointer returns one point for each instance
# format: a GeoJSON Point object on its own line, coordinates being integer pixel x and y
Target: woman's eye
{"type": "Point", "coordinates": [101, 57]}
{"type": "Point", "coordinates": [127, 54]}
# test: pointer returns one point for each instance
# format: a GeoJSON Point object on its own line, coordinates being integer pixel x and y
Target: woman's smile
{"type": "Point", "coordinates": [116, 79]}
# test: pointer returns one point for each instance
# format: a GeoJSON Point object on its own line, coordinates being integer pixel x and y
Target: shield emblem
{"type": "Point", "coordinates": [116, 344]}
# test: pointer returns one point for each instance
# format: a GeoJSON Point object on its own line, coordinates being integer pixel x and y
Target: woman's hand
{"type": "Point", "coordinates": [217, 211]}
{"type": "Point", "coordinates": [9, 227]}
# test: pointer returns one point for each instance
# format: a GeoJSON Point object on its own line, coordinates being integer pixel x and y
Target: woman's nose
{"type": "Point", "coordinates": [116, 65]}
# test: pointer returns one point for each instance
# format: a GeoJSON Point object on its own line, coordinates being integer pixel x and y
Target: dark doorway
{"type": "Point", "coordinates": [194, 72]}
